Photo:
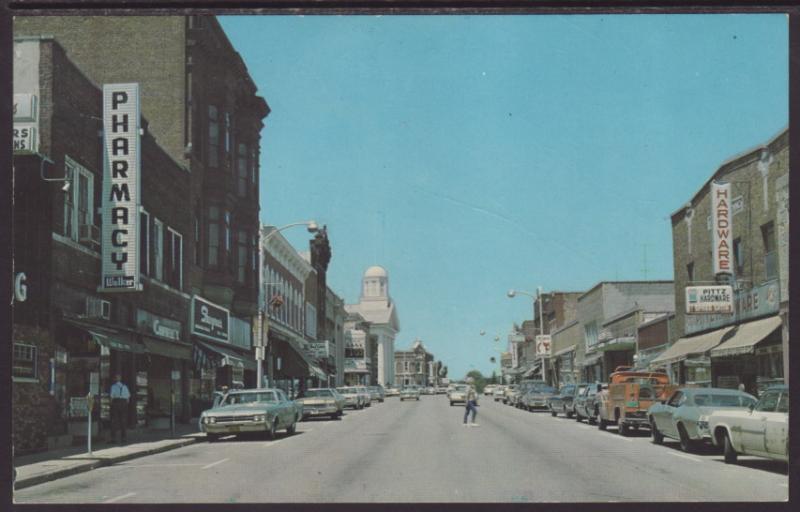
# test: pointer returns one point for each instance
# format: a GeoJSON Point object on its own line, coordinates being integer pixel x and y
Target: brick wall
{"type": "Point", "coordinates": [746, 223]}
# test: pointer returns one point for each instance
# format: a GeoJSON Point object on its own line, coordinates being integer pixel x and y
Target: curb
{"type": "Point", "coordinates": [100, 462]}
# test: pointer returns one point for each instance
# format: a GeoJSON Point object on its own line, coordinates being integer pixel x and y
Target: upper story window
{"type": "Point", "coordinates": [144, 236]}
{"type": "Point", "coordinates": [242, 250]}
{"type": "Point", "coordinates": [213, 136]}
{"type": "Point", "coordinates": [227, 133]}
{"type": "Point", "coordinates": [213, 236]}
{"type": "Point", "coordinates": [174, 271]}
{"type": "Point", "coordinates": [157, 259]}
{"type": "Point", "coordinates": [78, 202]}
{"type": "Point", "coordinates": [24, 361]}
{"type": "Point", "coordinates": [738, 256]}
{"type": "Point", "coordinates": [241, 170]}
{"type": "Point", "coordinates": [690, 272]}
{"type": "Point", "coordinates": [770, 255]}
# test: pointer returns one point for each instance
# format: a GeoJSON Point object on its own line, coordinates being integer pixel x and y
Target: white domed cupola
{"type": "Point", "coordinates": [375, 284]}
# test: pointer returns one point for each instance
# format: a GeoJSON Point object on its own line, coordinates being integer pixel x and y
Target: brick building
{"type": "Point", "coordinates": [69, 338]}
{"type": "Point", "coordinates": [414, 366]}
{"type": "Point", "coordinates": [751, 345]}
{"type": "Point", "coordinates": [652, 338]}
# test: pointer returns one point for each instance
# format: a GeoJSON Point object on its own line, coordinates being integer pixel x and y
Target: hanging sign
{"type": "Point", "coordinates": [722, 228]}
{"type": "Point", "coordinates": [709, 299]}
{"type": "Point", "coordinates": [121, 188]}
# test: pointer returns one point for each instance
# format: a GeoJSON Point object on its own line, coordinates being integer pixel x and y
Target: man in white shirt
{"type": "Point", "coordinates": [119, 408]}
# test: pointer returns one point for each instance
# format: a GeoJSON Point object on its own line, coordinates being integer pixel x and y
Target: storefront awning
{"type": "Point", "coordinates": [686, 347]}
{"type": "Point", "coordinates": [316, 371]}
{"type": "Point", "coordinates": [108, 337]}
{"type": "Point", "coordinates": [591, 359]}
{"type": "Point", "coordinates": [565, 351]}
{"type": "Point", "coordinates": [624, 343]}
{"type": "Point", "coordinates": [746, 336]}
{"type": "Point", "coordinates": [171, 349]}
{"type": "Point", "coordinates": [532, 370]}
{"type": "Point", "coordinates": [227, 357]}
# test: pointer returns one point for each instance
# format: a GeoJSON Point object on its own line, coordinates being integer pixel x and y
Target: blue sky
{"type": "Point", "coordinates": [473, 154]}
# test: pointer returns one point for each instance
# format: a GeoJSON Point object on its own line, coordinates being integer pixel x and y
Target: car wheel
{"type": "Point", "coordinates": [291, 429]}
{"type": "Point", "coordinates": [570, 414]}
{"type": "Point", "coordinates": [687, 444]}
{"type": "Point", "coordinates": [729, 451]}
{"type": "Point", "coordinates": [601, 423]}
{"type": "Point", "coordinates": [212, 438]}
{"type": "Point", "coordinates": [577, 416]}
{"type": "Point", "coordinates": [272, 429]}
{"type": "Point", "coordinates": [417, 399]}
{"type": "Point", "coordinates": [658, 437]}
{"type": "Point", "coordinates": [451, 404]}
{"type": "Point", "coordinates": [553, 413]}
{"type": "Point", "coordinates": [590, 419]}
{"type": "Point", "coordinates": [622, 429]}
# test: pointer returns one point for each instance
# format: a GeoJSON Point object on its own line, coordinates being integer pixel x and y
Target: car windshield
{"type": "Point", "coordinates": [722, 400]}
{"type": "Point", "coordinates": [249, 398]}
{"type": "Point", "coordinates": [545, 389]}
{"type": "Point", "coordinates": [460, 388]}
{"type": "Point", "coordinates": [347, 391]}
{"type": "Point", "coordinates": [319, 393]}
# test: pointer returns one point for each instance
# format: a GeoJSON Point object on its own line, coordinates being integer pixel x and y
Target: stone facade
{"type": "Point", "coordinates": [413, 366]}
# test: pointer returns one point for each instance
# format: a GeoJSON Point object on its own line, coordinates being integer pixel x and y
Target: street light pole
{"type": "Point", "coordinates": [513, 293]}
{"type": "Point", "coordinates": [262, 318]}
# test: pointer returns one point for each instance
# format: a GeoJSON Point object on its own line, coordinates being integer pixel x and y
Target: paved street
{"type": "Point", "coordinates": [419, 452]}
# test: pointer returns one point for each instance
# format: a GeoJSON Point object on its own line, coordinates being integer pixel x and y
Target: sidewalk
{"type": "Point", "coordinates": [53, 464]}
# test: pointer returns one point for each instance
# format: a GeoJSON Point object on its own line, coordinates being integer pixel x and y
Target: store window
{"type": "Point", "coordinates": [770, 365]}
{"type": "Point", "coordinates": [24, 362]}
{"type": "Point", "coordinates": [213, 236]}
{"type": "Point", "coordinates": [213, 136]}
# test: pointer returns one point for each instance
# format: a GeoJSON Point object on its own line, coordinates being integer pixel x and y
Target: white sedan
{"type": "Point", "coordinates": [761, 430]}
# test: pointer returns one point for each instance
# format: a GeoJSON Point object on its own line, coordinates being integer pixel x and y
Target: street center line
{"type": "Point", "coordinates": [623, 438]}
{"type": "Point", "coordinates": [681, 455]}
{"type": "Point", "coordinates": [214, 464]}
{"type": "Point", "coordinates": [112, 500]}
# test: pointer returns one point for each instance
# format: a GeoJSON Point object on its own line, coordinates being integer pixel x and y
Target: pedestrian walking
{"type": "Point", "coordinates": [471, 406]}
{"type": "Point", "coordinates": [119, 408]}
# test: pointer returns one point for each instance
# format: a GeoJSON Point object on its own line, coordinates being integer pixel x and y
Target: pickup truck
{"type": "Point", "coordinates": [628, 397]}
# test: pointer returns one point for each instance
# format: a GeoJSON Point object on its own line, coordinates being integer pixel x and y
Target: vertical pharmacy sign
{"type": "Point", "coordinates": [722, 228]}
{"type": "Point", "coordinates": [121, 188]}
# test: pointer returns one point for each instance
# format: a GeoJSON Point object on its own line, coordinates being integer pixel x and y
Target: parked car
{"type": "Point", "coordinates": [251, 410]}
{"type": "Point", "coordinates": [585, 406]}
{"type": "Point", "coordinates": [352, 397]}
{"type": "Point", "coordinates": [376, 393]}
{"type": "Point", "coordinates": [562, 402]}
{"type": "Point", "coordinates": [629, 395]}
{"type": "Point", "coordinates": [366, 396]}
{"type": "Point", "coordinates": [684, 416]}
{"type": "Point", "coordinates": [524, 387]}
{"type": "Point", "coordinates": [321, 402]}
{"type": "Point", "coordinates": [409, 393]}
{"type": "Point", "coordinates": [762, 429]}
{"type": "Point", "coordinates": [441, 390]}
{"type": "Point", "coordinates": [537, 397]}
{"type": "Point", "coordinates": [499, 393]}
{"type": "Point", "coordinates": [458, 394]}
{"type": "Point", "coordinates": [510, 394]}
{"type": "Point", "coordinates": [488, 389]}
{"type": "Point", "coordinates": [392, 392]}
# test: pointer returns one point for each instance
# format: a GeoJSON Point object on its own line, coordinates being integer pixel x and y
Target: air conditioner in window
{"type": "Point", "coordinates": [98, 308]}
{"type": "Point", "coordinates": [89, 234]}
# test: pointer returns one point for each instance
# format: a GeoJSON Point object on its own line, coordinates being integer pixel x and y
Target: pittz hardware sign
{"type": "Point", "coordinates": [709, 299]}
{"type": "Point", "coordinates": [722, 227]}
{"type": "Point", "coordinates": [121, 188]}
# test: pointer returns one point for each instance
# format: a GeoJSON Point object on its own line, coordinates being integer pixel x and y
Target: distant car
{"type": "Point", "coordinates": [365, 395]}
{"type": "Point", "coordinates": [510, 394]}
{"type": "Point", "coordinates": [458, 394]}
{"type": "Point", "coordinates": [376, 393]}
{"type": "Point", "coordinates": [762, 429]}
{"type": "Point", "coordinates": [251, 410]}
{"type": "Point", "coordinates": [585, 406]}
{"type": "Point", "coordinates": [392, 392]}
{"type": "Point", "coordinates": [430, 390]}
{"type": "Point", "coordinates": [322, 402]}
{"type": "Point", "coordinates": [537, 397]}
{"type": "Point", "coordinates": [499, 393]}
{"type": "Point", "coordinates": [352, 397]}
{"type": "Point", "coordinates": [488, 390]}
{"type": "Point", "coordinates": [409, 393]}
{"type": "Point", "coordinates": [562, 402]}
{"type": "Point", "coordinates": [684, 416]}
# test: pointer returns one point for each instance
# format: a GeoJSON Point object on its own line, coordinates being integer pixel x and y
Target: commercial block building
{"type": "Point", "coordinates": [751, 345]}
{"type": "Point", "coordinates": [414, 366]}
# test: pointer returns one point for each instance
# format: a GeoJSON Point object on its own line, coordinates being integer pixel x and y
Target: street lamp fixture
{"type": "Point", "coordinates": [513, 293]}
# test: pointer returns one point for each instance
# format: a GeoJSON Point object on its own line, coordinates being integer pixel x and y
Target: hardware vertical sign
{"type": "Point", "coordinates": [121, 188]}
{"type": "Point", "coordinates": [722, 228]}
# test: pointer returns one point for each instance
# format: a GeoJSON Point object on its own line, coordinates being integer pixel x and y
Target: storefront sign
{"type": "Point", "coordinates": [759, 301]}
{"type": "Point", "coordinates": [20, 288]}
{"type": "Point", "coordinates": [159, 326]}
{"type": "Point", "coordinates": [318, 350]}
{"type": "Point", "coordinates": [721, 228]}
{"type": "Point", "coordinates": [121, 188]}
{"type": "Point", "coordinates": [78, 407]}
{"type": "Point", "coordinates": [543, 344]}
{"type": "Point", "coordinates": [26, 90]}
{"type": "Point", "coordinates": [709, 299]}
{"type": "Point", "coordinates": [209, 320]}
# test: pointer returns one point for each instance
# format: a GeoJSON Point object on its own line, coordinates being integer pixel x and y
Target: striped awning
{"type": "Point", "coordinates": [691, 346]}
{"type": "Point", "coordinates": [746, 336]}
{"type": "Point", "coordinates": [208, 356]}
{"type": "Point", "coordinates": [108, 337]}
